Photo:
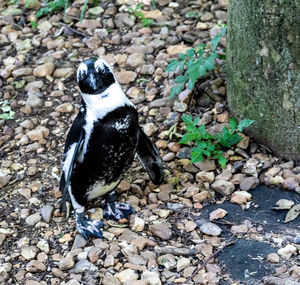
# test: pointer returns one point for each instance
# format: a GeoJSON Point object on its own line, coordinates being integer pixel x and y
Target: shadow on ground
{"type": "Point", "coordinates": [245, 260]}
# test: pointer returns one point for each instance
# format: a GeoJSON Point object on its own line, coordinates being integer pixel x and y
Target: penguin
{"type": "Point", "coordinates": [100, 147]}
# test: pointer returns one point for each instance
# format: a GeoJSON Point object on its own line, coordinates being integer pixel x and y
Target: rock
{"type": "Point", "coordinates": [169, 156]}
{"type": "Point", "coordinates": [44, 70]}
{"type": "Point", "coordinates": [35, 266]}
{"type": "Point", "coordinates": [89, 24]}
{"type": "Point", "coordinates": [4, 178]}
{"type": "Point", "coordinates": [244, 143]}
{"type": "Point", "coordinates": [174, 50]}
{"type": "Point", "coordinates": [47, 212]}
{"type": "Point", "coordinates": [225, 175]}
{"type": "Point", "coordinates": [64, 72]}
{"type": "Point", "coordinates": [64, 108]}
{"type": "Point", "coordinates": [29, 252]}
{"type": "Point", "coordinates": [109, 261]}
{"type": "Point", "coordinates": [3, 274]}
{"type": "Point", "coordinates": [142, 242]}
{"type": "Point", "coordinates": [135, 59]}
{"type": "Point", "coordinates": [182, 263]}
{"type": "Point", "coordinates": [138, 224]}
{"type": "Point", "coordinates": [147, 69]}
{"type": "Point", "coordinates": [223, 187]}
{"type": "Point", "coordinates": [43, 246]}
{"type": "Point", "coordinates": [287, 251]}
{"type": "Point", "coordinates": [84, 265]}
{"type": "Point", "coordinates": [34, 101]}
{"type": "Point", "coordinates": [191, 191]}
{"type": "Point", "coordinates": [239, 229]}
{"type": "Point", "coordinates": [205, 176]}
{"type": "Point", "coordinates": [206, 165]}
{"type": "Point", "coordinates": [127, 275]}
{"type": "Point", "coordinates": [210, 229]}
{"type": "Point", "coordinates": [79, 242]}
{"type": "Point", "coordinates": [22, 72]}
{"type": "Point", "coordinates": [35, 135]}
{"type": "Point", "coordinates": [250, 167]}
{"type": "Point", "coordinates": [161, 230]}
{"type": "Point", "coordinates": [217, 214]}
{"type": "Point", "coordinates": [125, 77]}
{"type": "Point", "coordinates": [190, 226]}
{"type": "Point", "coordinates": [44, 26]}
{"type": "Point", "coordinates": [66, 263]}
{"type": "Point", "coordinates": [150, 129]}
{"type": "Point", "coordinates": [207, 17]}
{"type": "Point", "coordinates": [290, 183]}
{"type": "Point", "coordinates": [240, 197]}
{"type": "Point", "coordinates": [201, 197]}
{"type": "Point", "coordinates": [249, 183]}
{"type": "Point", "coordinates": [33, 219]}
{"type": "Point", "coordinates": [273, 257]}
{"type": "Point", "coordinates": [152, 277]}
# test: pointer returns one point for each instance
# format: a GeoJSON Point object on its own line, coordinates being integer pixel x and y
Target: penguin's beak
{"type": "Point", "coordinates": [92, 80]}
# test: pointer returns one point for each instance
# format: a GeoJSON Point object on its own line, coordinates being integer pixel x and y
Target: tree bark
{"type": "Point", "coordinates": [263, 78]}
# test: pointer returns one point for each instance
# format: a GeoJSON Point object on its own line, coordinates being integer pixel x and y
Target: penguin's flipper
{"type": "Point", "coordinates": [72, 151]}
{"type": "Point", "coordinates": [149, 157]}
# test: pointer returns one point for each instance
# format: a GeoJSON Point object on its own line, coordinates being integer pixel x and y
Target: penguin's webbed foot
{"type": "Point", "coordinates": [117, 211]}
{"type": "Point", "coordinates": [88, 227]}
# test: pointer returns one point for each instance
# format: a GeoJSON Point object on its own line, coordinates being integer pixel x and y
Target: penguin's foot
{"type": "Point", "coordinates": [88, 227]}
{"type": "Point", "coordinates": [117, 211]}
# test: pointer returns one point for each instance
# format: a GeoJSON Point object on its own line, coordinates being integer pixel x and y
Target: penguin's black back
{"type": "Point", "coordinates": [109, 153]}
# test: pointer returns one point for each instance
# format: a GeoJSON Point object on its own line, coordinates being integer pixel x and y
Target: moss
{"type": "Point", "coordinates": [263, 79]}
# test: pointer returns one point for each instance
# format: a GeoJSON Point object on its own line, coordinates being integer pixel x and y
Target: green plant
{"type": "Point", "coordinates": [55, 5]}
{"type": "Point", "coordinates": [7, 112]}
{"type": "Point", "coordinates": [139, 14]}
{"type": "Point", "coordinates": [33, 24]}
{"type": "Point", "coordinates": [197, 62]}
{"type": "Point", "coordinates": [208, 145]}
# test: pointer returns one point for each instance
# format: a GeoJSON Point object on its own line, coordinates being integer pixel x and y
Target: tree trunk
{"type": "Point", "coordinates": [263, 78]}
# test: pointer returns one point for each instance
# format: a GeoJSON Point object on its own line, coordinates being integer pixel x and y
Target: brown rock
{"type": "Point", "coordinates": [161, 230]}
{"type": "Point", "coordinates": [202, 196]}
{"type": "Point", "coordinates": [205, 176]}
{"type": "Point", "coordinates": [249, 183]}
{"type": "Point", "coordinates": [44, 69]}
{"type": "Point", "coordinates": [223, 187]}
{"type": "Point", "coordinates": [240, 197]}
{"type": "Point", "coordinates": [125, 77]}
{"type": "Point", "coordinates": [217, 214]}
{"type": "Point", "coordinates": [290, 183]}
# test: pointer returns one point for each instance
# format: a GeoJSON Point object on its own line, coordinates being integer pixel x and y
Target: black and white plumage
{"type": "Point", "coordinates": [101, 145]}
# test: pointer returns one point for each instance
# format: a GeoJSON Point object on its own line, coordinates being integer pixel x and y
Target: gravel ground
{"type": "Point", "coordinates": [166, 241]}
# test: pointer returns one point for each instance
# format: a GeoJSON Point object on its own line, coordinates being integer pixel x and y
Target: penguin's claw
{"type": "Point", "coordinates": [88, 227]}
{"type": "Point", "coordinates": [117, 211]}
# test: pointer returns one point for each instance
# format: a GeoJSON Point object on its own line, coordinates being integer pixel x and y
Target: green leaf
{"type": "Point", "coordinates": [190, 52]}
{"type": "Point", "coordinates": [244, 124]}
{"type": "Point", "coordinates": [182, 56]}
{"type": "Point", "coordinates": [196, 155]}
{"type": "Point", "coordinates": [190, 84]}
{"type": "Point", "coordinates": [210, 61]}
{"type": "Point", "coordinates": [181, 79]}
{"type": "Point", "coordinates": [172, 65]}
{"type": "Point", "coordinates": [234, 139]}
{"type": "Point", "coordinates": [222, 161]}
{"type": "Point", "coordinates": [176, 89]}
{"type": "Point", "coordinates": [233, 123]}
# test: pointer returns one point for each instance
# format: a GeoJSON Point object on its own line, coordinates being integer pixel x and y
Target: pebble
{"type": "Point", "coordinates": [64, 108]}
{"type": "Point", "coordinates": [223, 187]}
{"type": "Point", "coordinates": [249, 183]}
{"type": "Point", "coordinates": [273, 257]}
{"type": "Point", "coordinates": [206, 165]}
{"type": "Point", "coordinates": [79, 242]}
{"type": "Point", "coordinates": [175, 49]}
{"type": "Point", "coordinates": [66, 263]}
{"type": "Point", "coordinates": [287, 251]}
{"type": "Point", "coordinates": [190, 226]}
{"type": "Point", "coordinates": [240, 197]}
{"type": "Point", "coordinates": [150, 129]}
{"type": "Point", "coordinates": [210, 229]}
{"type": "Point", "coordinates": [125, 77]}
{"type": "Point", "coordinates": [182, 263]}
{"type": "Point", "coordinates": [169, 156]}
{"type": "Point", "coordinates": [43, 246]}
{"type": "Point", "coordinates": [44, 70]}
{"type": "Point", "coordinates": [135, 59]}
{"type": "Point", "coordinates": [201, 197]}
{"type": "Point", "coordinates": [34, 101]}
{"type": "Point", "coordinates": [64, 72]}
{"type": "Point", "coordinates": [167, 260]}
{"type": "Point", "coordinates": [217, 214]}
{"type": "Point", "coordinates": [152, 277]}
{"type": "Point", "coordinates": [126, 275]}
{"type": "Point", "coordinates": [22, 72]}
{"type": "Point", "coordinates": [47, 212]}
{"type": "Point", "coordinates": [138, 224]}
{"type": "Point", "coordinates": [33, 219]}
{"type": "Point", "coordinates": [35, 266]}
{"type": "Point", "coordinates": [4, 178]}
{"type": "Point", "coordinates": [290, 183]}
{"type": "Point", "coordinates": [35, 135]}
{"type": "Point", "coordinates": [205, 176]}
{"type": "Point", "coordinates": [29, 252]}
{"type": "Point", "coordinates": [161, 230]}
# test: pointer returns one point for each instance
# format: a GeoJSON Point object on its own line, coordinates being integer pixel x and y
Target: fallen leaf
{"type": "Point", "coordinates": [292, 214]}
{"type": "Point", "coordinates": [284, 204]}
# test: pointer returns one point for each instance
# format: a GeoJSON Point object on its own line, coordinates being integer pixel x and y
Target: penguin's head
{"type": "Point", "coordinates": [94, 76]}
